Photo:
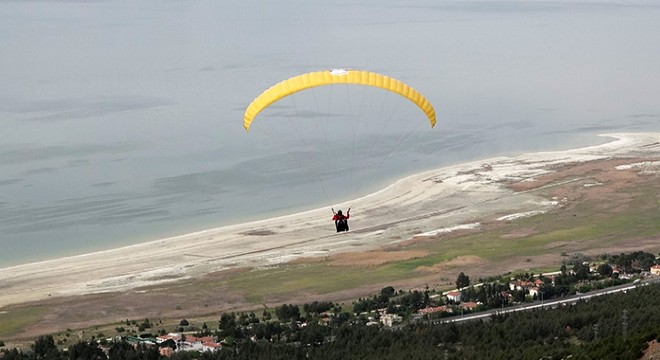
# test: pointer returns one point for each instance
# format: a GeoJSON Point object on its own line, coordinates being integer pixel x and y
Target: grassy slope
{"type": "Point", "coordinates": [586, 230]}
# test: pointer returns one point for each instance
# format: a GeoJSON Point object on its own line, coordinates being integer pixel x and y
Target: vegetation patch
{"type": "Point", "coordinates": [14, 319]}
{"type": "Point", "coordinates": [318, 278]}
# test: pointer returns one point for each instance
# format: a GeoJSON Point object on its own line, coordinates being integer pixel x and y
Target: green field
{"type": "Point", "coordinates": [16, 319]}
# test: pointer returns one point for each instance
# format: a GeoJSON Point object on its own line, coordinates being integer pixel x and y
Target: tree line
{"type": "Point", "coordinates": [612, 326]}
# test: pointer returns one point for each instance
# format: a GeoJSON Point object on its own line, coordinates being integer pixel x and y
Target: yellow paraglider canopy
{"type": "Point", "coordinates": [336, 76]}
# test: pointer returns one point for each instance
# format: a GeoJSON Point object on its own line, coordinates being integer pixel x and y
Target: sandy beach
{"type": "Point", "coordinates": [441, 200]}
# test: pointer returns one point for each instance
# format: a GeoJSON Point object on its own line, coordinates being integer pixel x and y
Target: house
{"type": "Point", "coordinates": [655, 270]}
{"type": "Point", "coordinates": [528, 285]}
{"type": "Point", "coordinates": [469, 305]}
{"type": "Point", "coordinates": [390, 319]}
{"type": "Point", "coordinates": [173, 336]}
{"type": "Point", "coordinates": [454, 296]}
{"type": "Point", "coordinates": [190, 342]}
{"type": "Point", "coordinates": [211, 346]}
{"type": "Point", "coordinates": [166, 351]}
{"type": "Point", "coordinates": [534, 291]}
{"type": "Point", "coordinates": [433, 309]}
{"type": "Point", "coordinates": [520, 285]}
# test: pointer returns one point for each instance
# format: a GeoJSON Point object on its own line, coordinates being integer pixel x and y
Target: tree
{"type": "Point", "coordinates": [227, 321]}
{"type": "Point", "coordinates": [12, 354]}
{"type": "Point", "coordinates": [462, 280]}
{"type": "Point", "coordinates": [44, 348]}
{"type": "Point", "coordinates": [387, 291]}
{"type": "Point", "coordinates": [317, 307]}
{"type": "Point", "coordinates": [605, 270]}
{"type": "Point", "coordinates": [287, 312]}
{"type": "Point", "coordinates": [313, 334]}
{"type": "Point", "coordinates": [86, 350]}
{"type": "Point", "coordinates": [581, 271]}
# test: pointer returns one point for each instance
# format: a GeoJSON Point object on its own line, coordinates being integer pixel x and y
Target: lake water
{"type": "Point", "coordinates": [121, 121]}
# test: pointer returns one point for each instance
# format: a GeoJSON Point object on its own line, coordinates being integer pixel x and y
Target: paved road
{"type": "Point", "coordinates": [553, 303]}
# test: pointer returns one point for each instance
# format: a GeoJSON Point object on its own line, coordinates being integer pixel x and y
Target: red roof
{"type": "Point", "coordinates": [430, 310]}
{"type": "Point", "coordinates": [214, 345]}
{"type": "Point", "coordinates": [469, 305]}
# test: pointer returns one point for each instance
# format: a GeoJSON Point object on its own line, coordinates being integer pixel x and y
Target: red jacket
{"type": "Point", "coordinates": [340, 217]}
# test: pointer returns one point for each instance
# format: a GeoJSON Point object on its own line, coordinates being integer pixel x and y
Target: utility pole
{"type": "Point", "coordinates": [596, 331]}
{"type": "Point", "coordinates": [624, 323]}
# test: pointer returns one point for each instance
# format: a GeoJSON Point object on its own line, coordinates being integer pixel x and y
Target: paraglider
{"type": "Point", "coordinates": [335, 76]}
{"type": "Point", "coordinates": [315, 79]}
{"type": "Point", "coordinates": [341, 220]}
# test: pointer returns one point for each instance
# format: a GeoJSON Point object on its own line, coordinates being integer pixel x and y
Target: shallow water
{"type": "Point", "coordinates": [121, 122]}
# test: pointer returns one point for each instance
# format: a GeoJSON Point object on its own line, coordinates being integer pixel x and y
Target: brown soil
{"type": "Point", "coordinates": [373, 258]}
{"type": "Point", "coordinates": [652, 352]}
{"type": "Point", "coordinates": [461, 262]}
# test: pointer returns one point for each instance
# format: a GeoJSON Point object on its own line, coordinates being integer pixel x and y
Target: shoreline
{"type": "Point", "coordinates": [176, 231]}
{"type": "Point", "coordinates": [421, 203]}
